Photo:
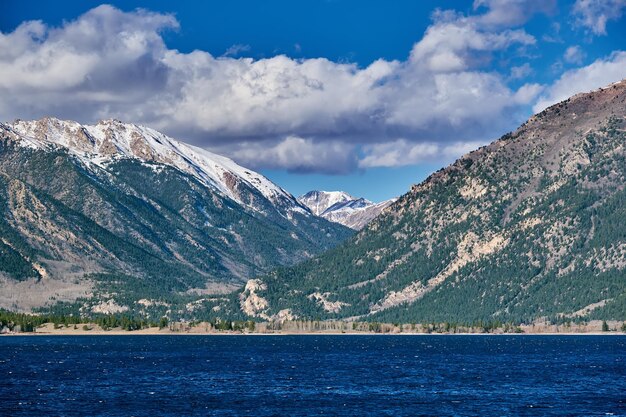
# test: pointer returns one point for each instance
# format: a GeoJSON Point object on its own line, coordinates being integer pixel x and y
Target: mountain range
{"type": "Point", "coordinates": [532, 226]}
{"type": "Point", "coordinates": [119, 218]}
{"type": "Point", "coordinates": [341, 207]}
{"type": "Point", "coordinates": [113, 213]}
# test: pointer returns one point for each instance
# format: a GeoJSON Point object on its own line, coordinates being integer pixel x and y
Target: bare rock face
{"type": "Point", "coordinates": [251, 303]}
{"type": "Point", "coordinates": [531, 226]}
{"type": "Point", "coordinates": [341, 207]}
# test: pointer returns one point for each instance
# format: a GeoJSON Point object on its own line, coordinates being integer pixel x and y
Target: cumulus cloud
{"type": "Point", "coordinates": [105, 60]}
{"type": "Point", "coordinates": [594, 14]}
{"type": "Point", "coordinates": [298, 114]}
{"type": "Point", "coordinates": [593, 76]}
{"type": "Point", "coordinates": [450, 46]}
{"type": "Point", "coordinates": [274, 97]}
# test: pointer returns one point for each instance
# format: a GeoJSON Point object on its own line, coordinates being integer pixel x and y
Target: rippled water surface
{"type": "Point", "coordinates": [312, 375]}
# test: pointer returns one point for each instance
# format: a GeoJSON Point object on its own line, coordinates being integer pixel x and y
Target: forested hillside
{"type": "Point", "coordinates": [104, 231]}
{"type": "Point", "coordinates": [531, 226]}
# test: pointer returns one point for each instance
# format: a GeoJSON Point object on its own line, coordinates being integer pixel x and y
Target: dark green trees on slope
{"type": "Point", "coordinates": [531, 226]}
{"type": "Point", "coordinates": [129, 230]}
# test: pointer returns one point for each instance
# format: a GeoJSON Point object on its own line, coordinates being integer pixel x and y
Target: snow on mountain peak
{"type": "Point", "coordinates": [107, 139]}
{"type": "Point", "coordinates": [320, 201]}
{"type": "Point", "coordinates": [341, 207]}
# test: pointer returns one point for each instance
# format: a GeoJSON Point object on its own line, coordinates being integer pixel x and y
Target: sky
{"type": "Point", "coordinates": [367, 97]}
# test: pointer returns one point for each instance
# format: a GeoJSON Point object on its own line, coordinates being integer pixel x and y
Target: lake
{"type": "Point", "coordinates": [312, 375]}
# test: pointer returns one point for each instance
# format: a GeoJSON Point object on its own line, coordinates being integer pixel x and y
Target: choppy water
{"type": "Point", "coordinates": [313, 375]}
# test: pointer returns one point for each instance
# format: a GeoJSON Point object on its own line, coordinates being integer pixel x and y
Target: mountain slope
{"type": "Point", "coordinates": [111, 139]}
{"type": "Point", "coordinates": [533, 225]}
{"type": "Point", "coordinates": [118, 212]}
{"type": "Point", "coordinates": [340, 207]}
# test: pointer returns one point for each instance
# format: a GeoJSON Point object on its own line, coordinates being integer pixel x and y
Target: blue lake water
{"type": "Point", "coordinates": [312, 375]}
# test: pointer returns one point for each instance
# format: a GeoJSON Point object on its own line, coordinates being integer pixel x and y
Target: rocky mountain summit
{"type": "Point", "coordinates": [115, 213]}
{"type": "Point", "coordinates": [341, 207]}
{"type": "Point", "coordinates": [111, 139]}
{"type": "Point", "coordinates": [531, 226]}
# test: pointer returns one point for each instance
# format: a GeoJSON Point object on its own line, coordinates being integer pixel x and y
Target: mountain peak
{"type": "Point", "coordinates": [318, 201]}
{"type": "Point", "coordinates": [341, 207]}
{"type": "Point", "coordinates": [529, 227]}
{"type": "Point", "coordinates": [87, 205]}
{"type": "Point", "coordinates": [111, 138]}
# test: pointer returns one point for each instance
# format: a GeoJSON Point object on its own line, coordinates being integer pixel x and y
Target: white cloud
{"type": "Point", "coordinates": [454, 103]}
{"type": "Point", "coordinates": [402, 152]}
{"type": "Point", "coordinates": [442, 89]}
{"type": "Point", "coordinates": [237, 49]}
{"type": "Point", "coordinates": [521, 71]}
{"type": "Point", "coordinates": [600, 73]}
{"type": "Point", "coordinates": [574, 55]}
{"type": "Point", "coordinates": [512, 12]}
{"type": "Point", "coordinates": [106, 56]}
{"type": "Point", "coordinates": [298, 114]}
{"type": "Point", "coordinates": [298, 154]}
{"type": "Point", "coordinates": [594, 14]}
{"type": "Point", "coordinates": [274, 97]}
{"type": "Point", "coordinates": [528, 93]}
{"type": "Point", "coordinates": [449, 45]}
{"type": "Point", "coordinates": [554, 36]}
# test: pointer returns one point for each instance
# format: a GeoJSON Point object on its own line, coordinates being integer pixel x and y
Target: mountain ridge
{"type": "Point", "coordinates": [108, 216]}
{"type": "Point", "coordinates": [109, 139]}
{"type": "Point", "coordinates": [341, 207]}
{"type": "Point", "coordinates": [528, 227]}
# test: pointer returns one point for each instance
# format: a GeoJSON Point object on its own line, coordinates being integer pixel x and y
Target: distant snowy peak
{"type": "Point", "coordinates": [341, 207]}
{"type": "Point", "coordinates": [319, 201]}
{"type": "Point", "coordinates": [350, 205]}
{"type": "Point", "coordinates": [356, 214]}
{"type": "Point", "coordinates": [108, 139]}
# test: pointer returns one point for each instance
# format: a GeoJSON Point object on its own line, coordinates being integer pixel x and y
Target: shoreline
{"type": "Point", "coordinates": [156, 332]}
{"type": "Point", "coordinates": [593, 328]}
{"type": "Point", "coordinates": [136, 333]}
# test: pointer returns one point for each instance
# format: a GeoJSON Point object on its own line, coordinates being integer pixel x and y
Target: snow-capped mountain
{"type": "Point", "coordinates": [319, 201]}
{"type": "Point", "coordinates": [355, 214]}
{"type": "Point", "coordinates": [341, 207]}
{"type": "Point", "coordinates": [109, 139]}
{"type": "Point", "coordinates": [120, 210]}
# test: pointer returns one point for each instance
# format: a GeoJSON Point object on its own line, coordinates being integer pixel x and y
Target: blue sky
{"type": "Point", "coordinates": [363, 96]}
